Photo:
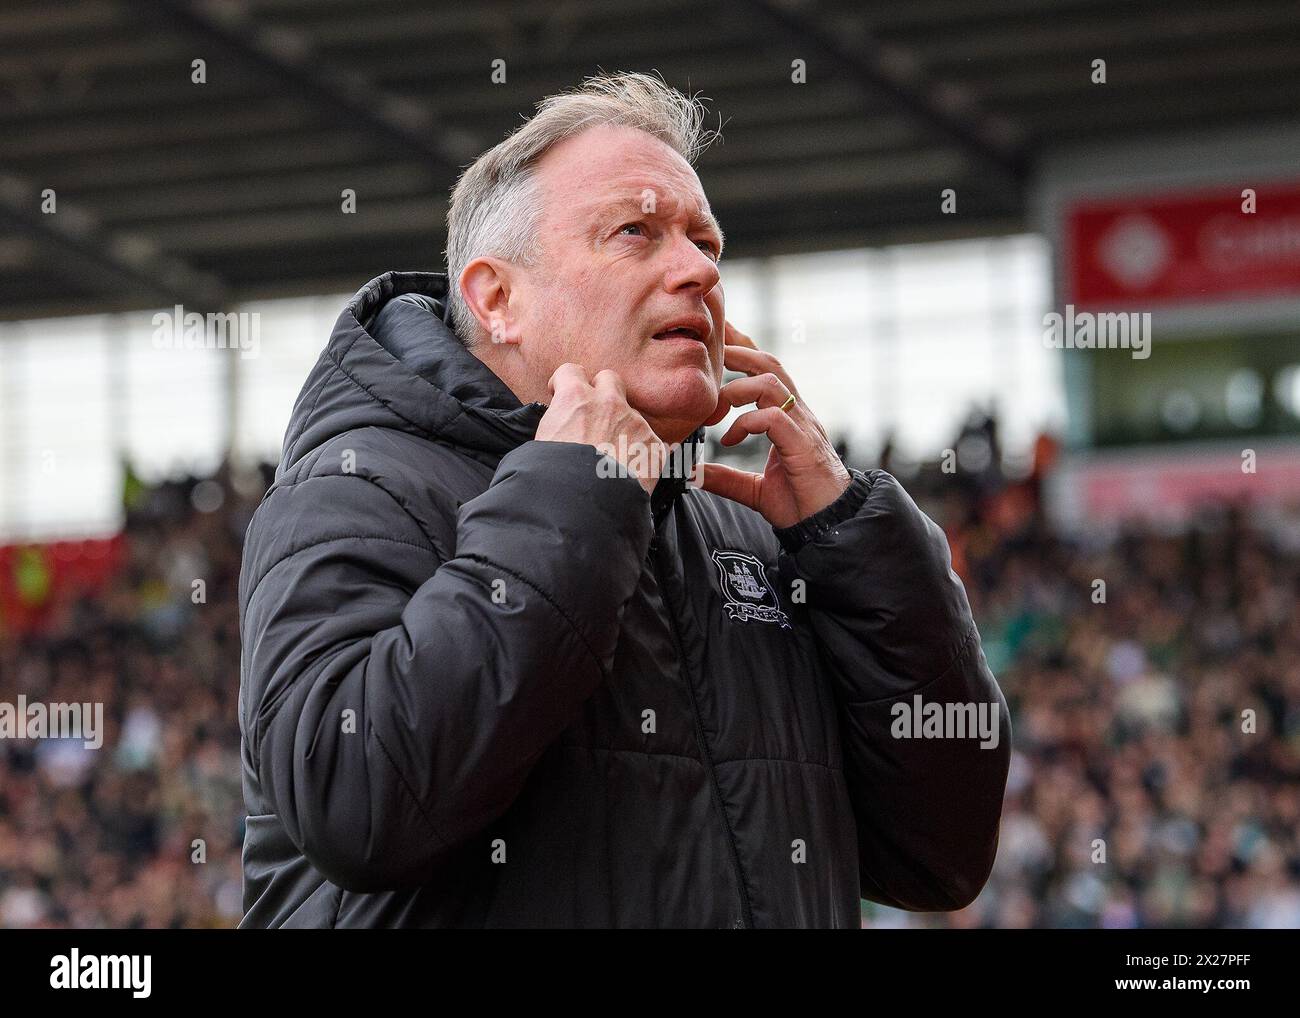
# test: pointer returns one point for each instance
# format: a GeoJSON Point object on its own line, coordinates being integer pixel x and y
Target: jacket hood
{"type": "Point", "coordinates": [393, 361]}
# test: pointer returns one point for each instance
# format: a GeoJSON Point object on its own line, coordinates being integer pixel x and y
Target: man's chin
{"type": "Point", "coordinates": [675, 424]}
{"type": "Point", "coordinates": [676, 402]}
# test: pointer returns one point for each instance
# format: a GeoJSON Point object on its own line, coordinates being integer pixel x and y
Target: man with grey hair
{"type": "Point", "coordinates": [512, 657]}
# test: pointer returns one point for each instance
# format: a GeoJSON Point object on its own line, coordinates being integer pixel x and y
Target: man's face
{"type": "Point", "coordinates": [628, 250]}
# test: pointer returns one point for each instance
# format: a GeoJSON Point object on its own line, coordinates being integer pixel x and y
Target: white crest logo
{"type": "Point", "coordinates": [746, 594]}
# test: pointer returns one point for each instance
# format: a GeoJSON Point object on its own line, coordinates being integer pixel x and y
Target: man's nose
{"type": "Point", "coordinates": [690, 269]}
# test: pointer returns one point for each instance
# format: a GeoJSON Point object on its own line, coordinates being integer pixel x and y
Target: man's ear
{"type": "Point", "coordinates": [486, 283]}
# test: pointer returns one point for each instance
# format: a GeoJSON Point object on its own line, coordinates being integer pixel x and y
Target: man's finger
{"type": "Point", "coordinates": [720, 411]}
{"type": "Point", "coordinates": [734, 337]}
{"type": "Point", "coordinates": [765, 390]}
{"type": "Point", "coordinates": [737, 485]}
{"type": "Point", "coordinates": [567, 374]}
{"type": "Point", "coordinates": [610, 377]}
{"type": "Point", "coordinates": [785, 434]}
{"type": "Point", "coordinates": [756, 362]}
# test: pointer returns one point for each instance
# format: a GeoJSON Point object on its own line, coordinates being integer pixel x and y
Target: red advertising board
{"type": "Point", "coordinates": [1178, 248]}
{"type": "Point", "coordinates": [1171, 484]}
{"type": "Point", "coordinates": [37, 581]}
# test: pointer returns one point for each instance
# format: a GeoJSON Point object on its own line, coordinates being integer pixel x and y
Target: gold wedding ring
{"type": "Point", "coordinates": [789, 402]}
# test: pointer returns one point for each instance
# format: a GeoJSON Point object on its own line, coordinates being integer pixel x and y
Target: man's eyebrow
{"type": "Point", "coordinates": [712, 222]}
{"type": "Point", "coordinates": [635, 206]}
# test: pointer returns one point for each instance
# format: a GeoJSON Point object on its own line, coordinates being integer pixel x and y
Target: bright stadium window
{"type": "Point", "coordinates": [58, 429]}
{"type": "Point", "coordinates": [908, 340]}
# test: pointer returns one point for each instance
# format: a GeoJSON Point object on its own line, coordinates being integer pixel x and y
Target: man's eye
{"type": "Point", "coordinates": [631, 226]}
{"type": "Point", "coordinates": [708, 248]}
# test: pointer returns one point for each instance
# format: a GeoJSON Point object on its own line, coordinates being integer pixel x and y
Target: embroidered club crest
{"type": "Point", "coordinates": [746, 594]}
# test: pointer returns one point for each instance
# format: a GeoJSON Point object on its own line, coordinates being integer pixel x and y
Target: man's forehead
{"type": "Point", "coordinates": [641, 194]}
{"type": "Point", "coordinates": [608, 166]}
{"type": "Point", "coordinates": [648, 198]}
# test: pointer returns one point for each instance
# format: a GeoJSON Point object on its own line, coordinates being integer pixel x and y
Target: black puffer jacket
{"type": "Point", "coordinates": [483, 685]}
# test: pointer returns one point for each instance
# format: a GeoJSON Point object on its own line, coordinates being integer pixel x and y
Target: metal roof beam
{"type": "Point", "coordinates": [125, 258]}
{"type": "Point", "coordinates": [290, 57]}
{"type": "Point", "coordinates": [949, 109]}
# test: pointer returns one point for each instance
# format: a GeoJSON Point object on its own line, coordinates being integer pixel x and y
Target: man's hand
{"type": "Point", "coordinates": [597, 413]}
{"type": "Point", "coordinates": [803, 473]}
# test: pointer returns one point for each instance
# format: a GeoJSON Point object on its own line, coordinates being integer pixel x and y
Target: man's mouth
{"type": "Point", "coordinates": [693, 328]}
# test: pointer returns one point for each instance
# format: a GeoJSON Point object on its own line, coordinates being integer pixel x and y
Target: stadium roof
{"type": "Point", "coordinates": [212, 193]}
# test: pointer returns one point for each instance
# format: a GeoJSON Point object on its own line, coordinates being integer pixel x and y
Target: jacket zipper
{"type": "Point", "coordinates": [747, 915]}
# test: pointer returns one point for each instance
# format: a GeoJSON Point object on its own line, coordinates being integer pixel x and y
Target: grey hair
{"type": "Point", "coordinates": [496, 204]}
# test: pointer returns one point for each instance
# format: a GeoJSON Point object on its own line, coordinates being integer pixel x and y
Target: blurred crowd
{"type": "Point", "coordinates": [1153, 679]}
{"type": "Point", "coordinates": [1155, 779]}
{"type": "Point", "coordinates": [146, 831]}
